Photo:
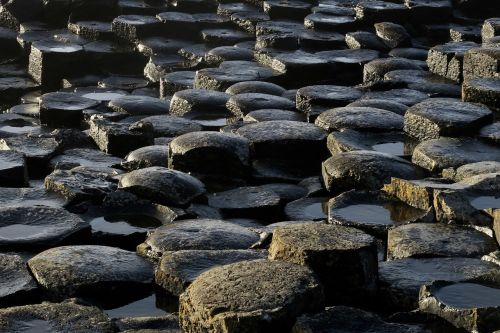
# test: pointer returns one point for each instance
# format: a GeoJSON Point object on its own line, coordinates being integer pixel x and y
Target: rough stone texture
{"type": "Point", "coordinates": [64, 317]}
{"type": "Point", "coordinates": [16, 283]}
{"type": "Point", "coordinates": [70, 270]}
{"type": "Point", "coordinates": [73, 158]}
{"type": "Point", "coordinates": [345, 319]}
{"type": "Point", "coordinates": [219, 301]}
{"type": "Point", "coordinates": [340, 256]}
{"type": "Point", "coordinates": [481, 63]}
{"type": "Point", "coordinates": [448, 60]}
{"type": "Point", "coordinates": [35, 227]}
{"type": "Point", "coordinates": [210, 235]}
{"type": "Point", "coordinates": [177, 270]}
{"type": "Point", "coordinates": [13, 169]}
{"type": "Point", "coordinates": [438, 117]}
{"type": "Point", "coordinates": [472, 169]}
{"type": "Point", "coordinates": [364, 170]}
{"type": "Point", "coordinates": [438, 154]}
{"type": "Point", "coordinates": [400, 280]}
{"type": "Point", "coordinates": [437, 240]}
{"type": "Point", "coordinates": [485, 91]}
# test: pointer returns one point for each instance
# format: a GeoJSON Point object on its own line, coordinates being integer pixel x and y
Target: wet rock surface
{"type": "Point", "coordinates": [202, 135]}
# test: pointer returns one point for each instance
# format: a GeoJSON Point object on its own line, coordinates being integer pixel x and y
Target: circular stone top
{"type": "Point", "coordinates": [244, 197]}
{"type": "Point", "coordinates": [47, 46]}
{"type": "Point", "coordinates": [136, 19]}
{"type": "Point", "coordinates": [323, 237]}
{"type": "Point", "coordinates": [66, 101]}
{"type": "Point", "coordinates": [26, 227]}
{"type": "Point", "coordinates": [139, 105]}
{"type": "Point", "coordinates": [168, 126]}
{"type": "Point", "coordinates": [231, 142]}
{"type": "Point", "coordinates": [169, 187]}
{"type": "Point", "coordinates": [281, 130]}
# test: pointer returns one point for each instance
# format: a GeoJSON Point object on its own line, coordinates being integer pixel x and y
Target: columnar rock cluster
{"type": "Point", "coordinates": [255, 166]}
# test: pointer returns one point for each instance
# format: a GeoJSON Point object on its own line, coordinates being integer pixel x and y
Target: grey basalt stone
{"type": "Point", "coordinates": [162, 185]}
{"type": "Point", "coordinates": [219, 299]}
{"type": "Point", "coordinates": [176, 81]}
{"type": "Point", "coordinates": [437, 240]}
{"type": "Point", "coordinates": [177, 270]}
{"type": "Point", "coordinates": [242, 104]}
{"type": "Point", "coordinates": [13, 169]}
{"type": "Point", "coordinates": [346, 319]}
{"type": "Point", "coordinates": [438, 154]}
{"type": "Point", "coordinates": [72, 270]}
{"type": "Point", "coordinates": [66, 316]}
{"type": "Point", "coordinates": [273, 114]}
{"type": "Point", "coordinates": [472, 169]}
{"type": "Point", "coordinates": [448, 60]}
{"type": "Point", "coordinates": [146, 157]}
{"type": "Point", "coordinates": [485, 91]}
{"type": "Point", "coordinates": [491, 133]}
{"type": "Point", "coordinates": [338, 255]}
{"type": "Point", "coordinates": [393, 35]}
{"type": "Point", "coordinates": [400, 280]}
{"type": "Point", "coordinates": [437, 117]}
{"type": "Point", "coordinates": [133, 27]}
{"type": "Point", "coordinates": [139, 105]}
{"type": "Point", "coordinates": [17, 285]}
{"type": "Point", "coordinates": [365, 40]}
{"type": "Point", "coordinates": [364, 170]}
{"type": "Point", "coordinates": [260, 87]}
{"type": "Point", "coordinates": [210, 153]}
{"type": "Point", "coordinates": [61, 109]}
{"type": "Point", "coordinates": [37, 227]}
{"type": "Point", "coordinates": [171, 126]}
{"type": "Point", "coordinates": [87, 157]}
{"type": "Point", "coordinates": [209, 235]}
{"type": "Point", "coordinates": [328, 96]}
{"type": "Point", "coordinates": [376, 69]}
{"type": "Point", "coordinates": [188, 103]}
{"type": "Point", "coordinates": [359, 118]}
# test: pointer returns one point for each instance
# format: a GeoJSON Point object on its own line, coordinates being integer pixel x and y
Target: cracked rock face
{"type": "Point", "coordinates": [213, 303]}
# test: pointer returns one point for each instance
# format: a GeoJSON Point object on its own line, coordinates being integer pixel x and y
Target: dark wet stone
{"type": "Point", "coordinates": [50, 61]}
{"type": "Point", "coordinates": [438, 154]}
{"type": "Point", "coordinates": [317, 40]}
{"type": "Point", "coordinates": [37, 227]}
{"type": "Point", "coordinates": [365, 40]}
{"type": "Point", "coordinates": [224, 36]}
{"type": "Point", "coordinates": [211, 20]}
{"type": "Point", "coordinates": [427, 82]}
{"type": "Point", "coordinates": [259, 87]}
{"type": "Point", "coordinates": [194, 52]}
{"type": "Point", "coordinates": [401, 280]}
{"type": "Point", "coordinates": [295, 10]}
{"type": "Point", "coordinates": [13, 169]}
{"type": "Point", "coordinates": [359, 118]}
{"type": "Point", "coordinates": [156, 44]}
{"type": "Point", "coordinates": [407, 97]}
{"type": "Point", "coordinates": [193, 103]}
{"type": "Point", "coordinates": [342, 318]}
{"type": "Point", "coordinates": [133, 27]}
{"type": "Point", "coordinates": [29, 196]}
{"type": "Point", "coordinates": [161, 64]}
{"type": "Point", "coordinates": [243, 103]}
{"type": "Point", "coordinates": [437, 240]}
{"type": "Point", "coordinates": [460, 33]}
{"type": "Point", "coordinates": [491, 132]}
{"type": "Point", "coordinates": [335, 23]}
{"type": "Point", "coordinates": [82, 183]}
{"type": "Point", "coordinates": [120, 138]}
{"type": "Point", "coordinates": [381, 104]}
{"type": "Point", "coordinates": [470, 305]}
{"type": "Point", "coordinates": [210, 153]}
{"type": "Point", "coordinates": [27, 110]}
{"type": "Point", "coordinates": [376, 69]}
{"type": "Point", "coordinates": [14, 87]}
{"type": "Point", "coordinates": [114, 57]}
{"type": "Point", "coordinates": [93, 30]}
{"type": "Point", "coordinates": [177, 270]}
{"type": "Point", "coordinates": [225, 53]}
{"type": "Point", "coordinates": [139, 105]}
{"type": "Point", "coordinates": [53, 317]}
{"type": "Point", "coordinates": [374, 212]}
{"type": "Point", "coordinates": [100, 94]}
{"type": "Point", "coordinates": [438, 117]}
{"type": "Point", "coordinates": [127, 83]}
{"type": "Point", "coordinates": [282, 170]}
{"type": "Point", "coordinates": [447, 60]}
{"type": "Point", "coordinates": [490, 28]}
{"type": "Point", "coordinates": [176, 81]}
{"type": "Point", "coordinates": [162, 185]}
{"type": "Point", "coordinates": [63, 109]}
{"type": "Point", "coordinates": [435, 11]}
{"type": "Point", "coordinates": [302, 66]}
{"type": "Point", "coordinates": [248, 20]}
{"type": "Point", "coordinates": [37, 151]}
{"type": "Point", "coordinates": [146, 157]}
{"type": "Point", "coordinates": [227, 286]}
{"type": "Point", "coordinates": [470, 170]}
{"type": "Point", "coordinates": [364, 170]}
{"type": "Point", "coordinates": [199, 234]}
{"type": "Point", "coordinates": [310, 99]}
{"type": "Point", "coordinates": [170, 126]}
{"type": "Point", "coordinates": [393, 35]}
{"type": "Point", "coordinates": [183, 24]}
{"type": "Point", "coordinates": [409, 53]}
{"type": "Point", "coordinates": [348, 64]}
{"type": "Point", "coordinates": [380, 11]}
{"type": "Point", "coordinates": [229, 73]}
{"type": "Point", "coordinates": [14, 12]}
{"type": "Point", "coordinates": [314, 244]}
{"type": "Point", "coordinates": [73, 270]}
{"type": "Point", "coordinates": [72, 158]}
{"type": "Point", "coordinates": [17, 285]}
{"type": "Point", "coordinates": [485, 91]}
{"type": "Point", "coordinates": [284, 139]}
{"type": "Point", "coordinates": [273, 114]}
{"type": "Point", "coordinates": [314, 209]}
{"type": "Point", "coordinates": [168, 323]}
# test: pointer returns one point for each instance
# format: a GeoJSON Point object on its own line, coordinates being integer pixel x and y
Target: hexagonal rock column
{"type": "Point", "coordinates": [344, 258]}
{"type": "Point", "coordinates": [472, 306]}
{"type": "Point", "coordinates": [485, 91]}
{"type": "Point", "coordinates": [16, 283]}
{"type": "Point", "coordinates": [438, 117]}
{"type": "Point", "coordinates": [210, 153]}
{"type": "Point", "coordinates": [448, 60]}
{"type": "Point", "coordinates": [61, 109]}
{"type": "Point", "coordinates": [481, 62]}
{"type": "Point", "coordinates": [437, 240]}
{"type": "Point", "coordinates": [13, 169]}
{"type": "Point", "coordinates": [70, 270]}
{"type": "Point", "coordinates": [249, 296]}
{"type": "Point", "coordinates": [50, 61]}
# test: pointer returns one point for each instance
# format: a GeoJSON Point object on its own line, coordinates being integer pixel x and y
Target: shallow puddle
{"type": "Point", "coordinates": [318, 210]}
{"type": "Point", "coordinates": [124, 224]}
{"type": "Point", "coordinates": [140, 308]}
{"type": "Point", "coordinates": [468, 295]}
{"type": "Point", "coordinates": [23, 231]}
{"type": "Point", "coordinates": [394, 148]}
{"type": "Point", "coordinates": [36, 326]}
{"type": "Point", "coordinates": [485, 202]}
{"type": "Point", "coordinates": [388, 213]}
